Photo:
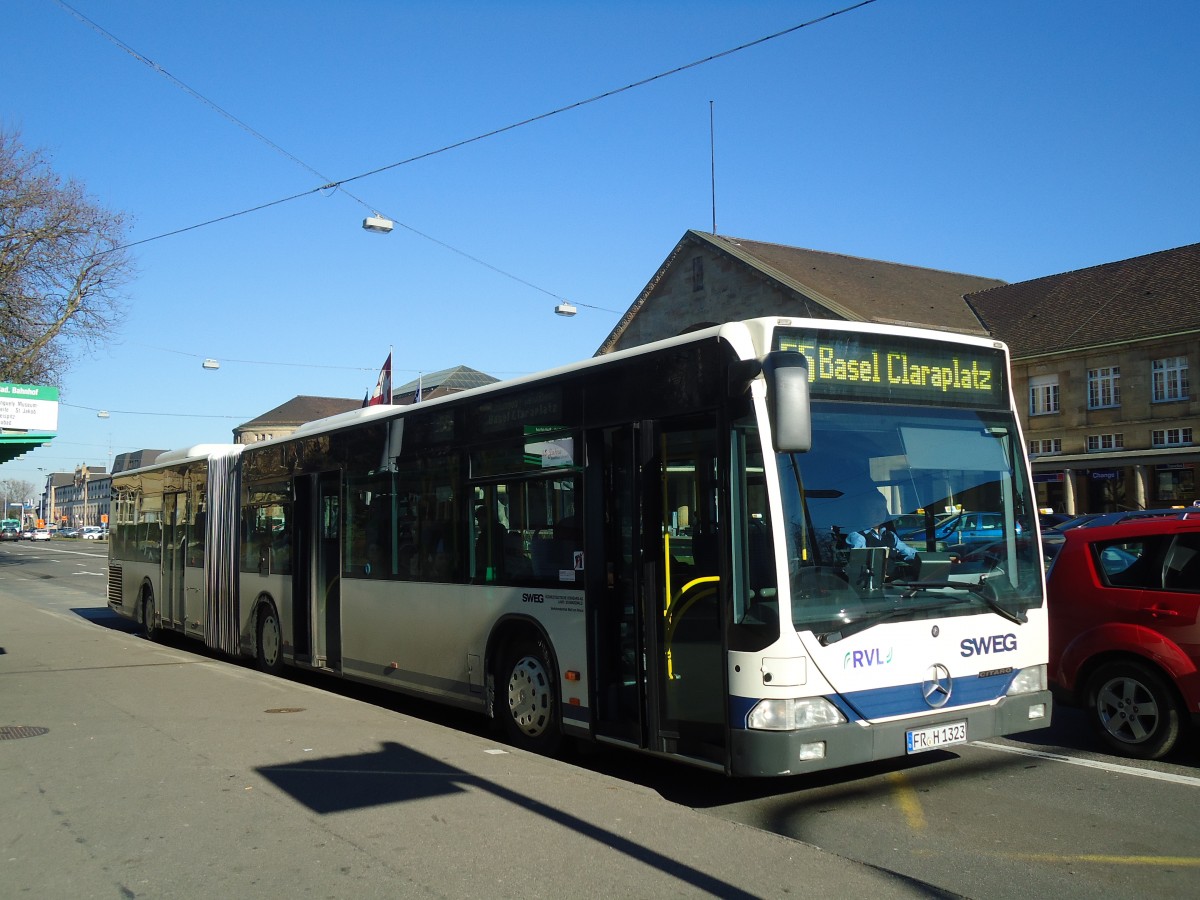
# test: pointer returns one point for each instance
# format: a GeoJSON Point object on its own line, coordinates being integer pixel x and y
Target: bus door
{"type": "Point", "coordinates": [612, 507]}
{"type": "Point", "coordinates": [316, 578]}
{"type": "Point", "coordinates": [171, 603]}
{"type": "Point", "coordinates": [682, 592]}
{"type": "Point", "coordinates": [657, 632]}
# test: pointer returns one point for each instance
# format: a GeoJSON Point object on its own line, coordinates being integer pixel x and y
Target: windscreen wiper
{"type": "Point", "coordinates": [980, 589]}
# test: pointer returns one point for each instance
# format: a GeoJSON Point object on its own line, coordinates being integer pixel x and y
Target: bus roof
{"type": "Point", "coordinates": [739, 334]}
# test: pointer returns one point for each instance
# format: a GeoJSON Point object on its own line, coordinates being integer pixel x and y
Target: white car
{"type": "Point", "coordinates": [41, 534]}
{"type": "Point", "coordinates": [92, 533]}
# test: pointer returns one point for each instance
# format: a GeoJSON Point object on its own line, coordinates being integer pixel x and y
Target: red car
{"type": "Point", "coordinates": [1124, 637]}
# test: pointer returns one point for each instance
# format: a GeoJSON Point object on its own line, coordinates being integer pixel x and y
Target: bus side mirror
{"type": "Point", "coordinates": [788, 401]}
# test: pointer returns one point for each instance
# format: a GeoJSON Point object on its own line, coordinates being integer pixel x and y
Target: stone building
{"type": "Point", "coordinates": [78, 499]}
{"type": "Point", "coordinates": [1101, 365]}
{"type": "Point", "coordinates": [286, 418]}
{"type": "Point", "coordinates": [708, 279]}
{"type": "Point", "coordinates": [1101, 357]}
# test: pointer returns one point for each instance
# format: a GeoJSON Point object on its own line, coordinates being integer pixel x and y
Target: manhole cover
{"type": "Point", "coordinates": [12, 732]}
{"type": "Point", "coordinates": [286, 709]}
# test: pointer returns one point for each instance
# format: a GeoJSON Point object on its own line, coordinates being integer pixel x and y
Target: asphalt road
{"type": "Point", "coordinates": [1046, 815]}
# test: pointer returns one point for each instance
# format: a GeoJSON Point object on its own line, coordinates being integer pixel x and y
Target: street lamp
{"type": "Point", "coordinates": [378, 224]}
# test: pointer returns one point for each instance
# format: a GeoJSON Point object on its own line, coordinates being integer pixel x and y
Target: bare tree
{"type": "Point", "coordinates": [16, 490]}
{"type": "Point", "coordinates": [62, 268]}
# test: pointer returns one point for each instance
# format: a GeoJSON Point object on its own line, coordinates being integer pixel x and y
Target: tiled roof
{"type": "Point", "coordinates": [1143, 297]}
{"type": "Point", "coordinates": [870, 289]}
{"type": "Point", "coordinates": [300, 410]}
{"type": "Point", "coordinates": [845, 287]}
{"type": "Point", "coordinates": [459, 378]}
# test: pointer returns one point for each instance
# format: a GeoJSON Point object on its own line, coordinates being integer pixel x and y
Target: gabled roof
{"type": "Point", "coordinates": [302, 409]}
{"type": "Point", "coordinates": [1144, 297]}
{"type": "Point", "coordinates": [447, 381]}
{"type": "Point", "coordinates": [846, 287]}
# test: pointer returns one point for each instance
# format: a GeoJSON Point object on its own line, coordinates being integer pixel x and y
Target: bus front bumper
{"type": "Point", "coordinates": [768, 753]}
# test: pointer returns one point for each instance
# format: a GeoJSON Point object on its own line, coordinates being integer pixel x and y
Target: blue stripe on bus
{"type": "Point", "coordinates": [896, 700]}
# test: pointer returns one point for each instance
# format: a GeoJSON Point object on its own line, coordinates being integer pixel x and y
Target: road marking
{"type": "Point", "coordinates": [909, 802]}
{"type": "Point", "coordinates": [1189, 780]}
{"type": "Point", "coordinates": [102, 556]}
{"type": "Point", "coordinates": [1105, 860]}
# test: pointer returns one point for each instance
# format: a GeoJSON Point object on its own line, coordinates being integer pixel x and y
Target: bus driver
{"type": "Point", "coordinates": [875, 511]}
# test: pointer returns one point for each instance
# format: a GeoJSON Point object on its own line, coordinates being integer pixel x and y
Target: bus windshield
{"type": "Point", "coordinates": [907, 512]}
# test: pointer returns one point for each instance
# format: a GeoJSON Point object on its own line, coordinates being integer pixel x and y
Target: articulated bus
{"type": "Point", "coordinates": [652, 549]}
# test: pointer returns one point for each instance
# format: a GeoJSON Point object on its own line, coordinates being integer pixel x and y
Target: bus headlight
{"type": "Point", "coordinates": [793, 713]}
{"type": "Point", "coordinates": [1028, 681]}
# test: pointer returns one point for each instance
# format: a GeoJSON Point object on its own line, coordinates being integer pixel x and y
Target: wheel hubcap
{"type": "Point", "coordinates": [529, 696]}
{"type": "Point", "coordinates": [1127, 710]}
{"type": "Point", "coordinates": [270, 640]}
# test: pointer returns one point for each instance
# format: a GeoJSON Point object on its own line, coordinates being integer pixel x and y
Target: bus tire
{"type": "Point", "coordinates": [528, 702]}
{"type": "Point", "coordinates": [146, 614]}
{"type": "Point", "coordinates": [1133, 709]}
{"type": "Point", "coordinates": [268, 640]}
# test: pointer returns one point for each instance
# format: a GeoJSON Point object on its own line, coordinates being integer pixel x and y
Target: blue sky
{"type": "Point", "coordinates": [1009, 139]}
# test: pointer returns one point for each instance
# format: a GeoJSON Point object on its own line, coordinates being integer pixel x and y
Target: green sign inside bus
{"type": "Point", "coordinates": [886, 367]}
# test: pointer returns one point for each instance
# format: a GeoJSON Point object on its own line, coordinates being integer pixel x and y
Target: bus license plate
{"type": "Point", "coordinates": [935, 736]}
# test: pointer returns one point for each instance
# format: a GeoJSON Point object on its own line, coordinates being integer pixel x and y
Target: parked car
{"type": "Point", "coordinates": [1092, 520]}
{"type": "Point", "coordinates": [1074, 522]}
{"type": "Point", "coordinates": [985, 559]}
{"type": "Point", "coordinates": [1052, 520]}
{"type": "Point", "coordinates": [93, 533]}
{"type": "Point", "coordinates": [68, 532]}
{"type": "Point", "coordinates": [964, 528]}
{"type": "Point", "coordinates": [1124, 601]}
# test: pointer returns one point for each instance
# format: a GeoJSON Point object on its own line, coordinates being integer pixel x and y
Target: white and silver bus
{"type": "Point", "coordinates": [662, 548]}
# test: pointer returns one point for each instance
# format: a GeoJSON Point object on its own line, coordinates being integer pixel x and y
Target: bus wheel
{"type": "Point", "coordinates": [1133, 709]}
{"type": "Point", "coordinates": [149, 626]}
{"type": "Point", "coordinates": [269, 641]}
{"type": "Point", "coordinates": [528, 706]}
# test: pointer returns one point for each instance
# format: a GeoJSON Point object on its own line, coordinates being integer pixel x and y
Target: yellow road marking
{"type": "Point", "coordinates": [1107, 860]}
{"type": "Point", "coordinates": [909, 802]}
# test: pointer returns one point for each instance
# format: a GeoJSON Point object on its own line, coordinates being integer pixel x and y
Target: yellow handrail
{"type": "Point", "coordinates": [674, 612]}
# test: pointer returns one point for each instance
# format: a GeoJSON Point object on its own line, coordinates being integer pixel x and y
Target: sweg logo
{"type": "Point", "coordinates": [857, 659]}
{"type": "Point", "coordinates": [992, 643]}
{"type": "Point", "coordinates": [533, 598]}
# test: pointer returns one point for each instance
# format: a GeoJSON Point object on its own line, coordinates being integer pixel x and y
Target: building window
{"type": "Point", "coordinates": [1099, 442]}
{"type": "Point", "coordinates": [698, 274]}
{"type": "Point", "coordinates": [1171, 437]}
{"type": "Point", "coordinates": [1104, 387]}
{"type": "Point", "coordinates": [1045, 445]}
{"type": "Point", "coordinates": [1043, 395]}
{"type": "Point", "coordinates": [1175, 485]}
{"type": "Point", "coordinates": [1170, 377]}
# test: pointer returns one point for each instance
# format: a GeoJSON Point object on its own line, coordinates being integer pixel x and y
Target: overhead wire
{"type": "Point", "coordinates": [297, 365]}
{"type": "Point", "coordinates": [341, 183]}
{"type": "Point", "coordinates": [135, 412]}
{"type": "Point", "coordinates": [327, 186]}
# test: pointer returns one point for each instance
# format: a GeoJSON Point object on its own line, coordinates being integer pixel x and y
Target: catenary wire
{"type": "Point", "coordinates": [329, 185]}
{"type": "Point", "coordinates": [340, 184]}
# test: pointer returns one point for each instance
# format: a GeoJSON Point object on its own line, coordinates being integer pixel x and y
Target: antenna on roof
{"type": "Point", "coordinates": [712, 157]}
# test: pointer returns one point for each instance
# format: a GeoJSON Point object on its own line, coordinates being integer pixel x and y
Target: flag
{"type": "Point", "coordinates": [383, 387]}
{"type": "Point", "coordinates": [417, 395]}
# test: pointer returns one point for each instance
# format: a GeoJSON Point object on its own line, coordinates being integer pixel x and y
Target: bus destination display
{"type": "Point", "coordinates": [886, 367]}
